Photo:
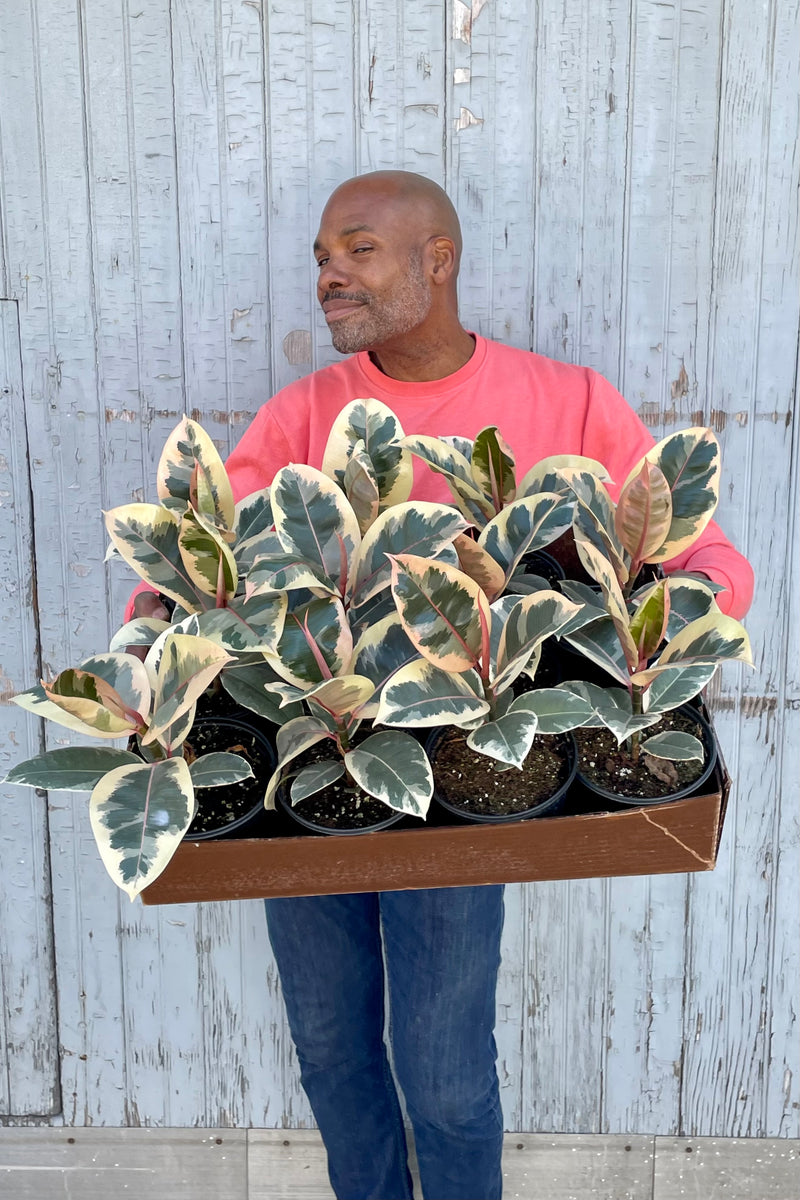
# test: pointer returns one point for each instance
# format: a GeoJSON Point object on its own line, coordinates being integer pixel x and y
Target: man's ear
{"type": "Point", "coordinates": [442, 258]}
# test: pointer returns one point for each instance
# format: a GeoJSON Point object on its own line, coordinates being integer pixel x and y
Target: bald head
{"type": "Point", "coordinates": [425, 209]}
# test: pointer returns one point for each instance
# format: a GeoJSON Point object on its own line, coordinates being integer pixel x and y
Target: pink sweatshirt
{"type": "Point", "coordinates": [540, 406]}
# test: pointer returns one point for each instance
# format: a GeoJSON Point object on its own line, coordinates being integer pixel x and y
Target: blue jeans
{"type": "Point", "coordinates": [441, 950]}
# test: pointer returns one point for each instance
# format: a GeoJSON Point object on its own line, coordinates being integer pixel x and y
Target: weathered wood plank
{"type": "Point", "coordinates": [672, 104]}
{"type": "Point", "coordinates": [751, 382]}
{"type": "Point", "coordinates": [49, 243]}
{"type": "Point", "coordinates": [184, 1164]}
{"type": "Point", "coordinates": [729, 1169]}
{"type": "Point", "coordinates": [291, 1166]}
{"type": "Point", "coordinates": [29, 1078]}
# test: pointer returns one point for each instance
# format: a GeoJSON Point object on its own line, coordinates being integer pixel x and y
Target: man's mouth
{"type": "Point", "coordinates": [336, 307]}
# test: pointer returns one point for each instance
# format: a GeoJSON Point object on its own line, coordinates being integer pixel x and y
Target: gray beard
{"type": "Point", "coordinates": [379, 320]}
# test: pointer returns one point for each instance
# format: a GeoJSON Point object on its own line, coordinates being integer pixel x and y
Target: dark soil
{"type": "Point", "coordinates": [340, 805]}
{"type": "Point", "coordinates": [219, 806]}
{"type": "Point", "coordinates": [610, 766]}
{"type": "Point", "coordinates": [470, 782]}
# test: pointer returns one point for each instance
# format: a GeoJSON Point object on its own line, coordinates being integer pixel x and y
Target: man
{"type": "Point", "coordinates": [388, 253]}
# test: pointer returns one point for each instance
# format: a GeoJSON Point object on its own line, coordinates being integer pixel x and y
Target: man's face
{"type": "Point", "coordinates": [371, 285]}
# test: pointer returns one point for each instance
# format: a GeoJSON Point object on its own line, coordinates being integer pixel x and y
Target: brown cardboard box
{"type": "Point", "coordinates": [681, 836]}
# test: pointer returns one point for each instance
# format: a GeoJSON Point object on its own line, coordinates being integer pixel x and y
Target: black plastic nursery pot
{"type": "Point", "coordinates": [382, 816]}
{"type": "Point", "coordinates": [555, 757]}
{"type": "Point", "coordinates": [236, 810]}
{"type": "Point", "coordinates": [611, 797]}
{"type": "Point", "coordinates": [680, 836]}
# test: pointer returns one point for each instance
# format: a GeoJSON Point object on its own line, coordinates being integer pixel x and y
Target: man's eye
{"type": "Point", "coordinates": [361, 249]}
{"type": "Point", "coordinates": [321, 262]}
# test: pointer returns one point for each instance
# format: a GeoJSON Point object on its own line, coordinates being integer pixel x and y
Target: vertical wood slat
{"type": "Point", "coordinates": [729, 1066]}
{"type": "Point", "coordinates": [29, 1078]}
{"type": "Point", "coordinates": [47, 235]}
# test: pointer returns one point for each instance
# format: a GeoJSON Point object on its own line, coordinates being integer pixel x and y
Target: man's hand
{"type": "Point", "coordinates": [146, 604]}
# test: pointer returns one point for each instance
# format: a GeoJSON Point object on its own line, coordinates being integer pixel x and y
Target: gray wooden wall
{"type": "Point", "coordinates": [626, 174]}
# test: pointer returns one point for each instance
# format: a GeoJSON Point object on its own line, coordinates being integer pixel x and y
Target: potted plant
{"type": "Point", "coordinates": [662, 641]}
{"type": "Point", "coordinates": [472, 651]}
{"type": "Point", "coordinates": [330, 656]}
{"type": "Point", "coordinates": [142, 803]}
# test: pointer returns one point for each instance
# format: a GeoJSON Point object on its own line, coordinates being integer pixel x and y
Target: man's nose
{"type": "Point", "coordinates": [333, 276]}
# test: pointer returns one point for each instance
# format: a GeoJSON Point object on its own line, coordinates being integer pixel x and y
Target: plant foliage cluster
{"type": "Point", "coordinates": [342, 610]}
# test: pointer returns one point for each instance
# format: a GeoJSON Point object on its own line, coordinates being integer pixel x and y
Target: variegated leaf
{"type": "Point", "coordinates": [126, 674]}
{"type": "Point", "coordinates": [286, 572]}
{"type": "Point", "coordinates": [381, 650]}
{"type": "Point", "coordinates": [598, 641]}
{"type": "Point", "coordinates": [253, 516]}
{"type": "Point", "coordinates": [557, 711]}
{"type": "Point", "coordinates": [146, 536]}
{"type": "Point", "coordinates": [248, 683]}
{"type": "Point", "coordinates": [292, 739]}
{"type": "Point", "coordinates": [508, 739]}
{"type": "Point", "coordinates": [417, 527]}
{"type": "Point", "coordinates": [260, 545]}
{"type": "Point", "coordinates": [594, 517]}
{"type": "Point", "coordinates": [713, 638]}
{"type": "Point", "coordinates": [493, 467]}
{"type": "Point", "coordinates": [246, 626]}
{"type": "Point", "coordinates": [94, 702]}
{"type": "Point", "coordinates": [190, 471]}
{"type": "Point", "coordinates": [344, 696]}
{"type": "Point", "coordinates": [186, 668]}
{"type": "Point", "coordinates": [314, 778]}
{"type": "Point", "coordinates": [361, 487]}
{"type": "Point", "coordinates": [674, 745]}
{"type": "Point", "coordinates": [207, 559]}
{"type": "Point", "coordinates": [446, 460]}
{"type": "Point", "coordinates": [372, 422]}
{"type": "Point", "coordinates": [393, 767]}
{"type": "Point", "coordinates": [690, 461]}
{"type": "Point", "coordinates": [316, 643]}
{"type": "Point", "coordinates": [139, 815]}
{"type": "Point", "coordinates": [142, 631]}
{"type": "Point", "coordinates": [443, 611]}
{"type": "Point", "coordinates": [529, 622]}
{"type": "Point", "coordinates": [420, 695]}
{"type": "Point", "coordinates": [314, 521]}
{"type": "Point", "coordinates": [552, 474]}
{"type": "Point", "coordinates": [73, 768]}
{"type": "Point", "coordinates": [524, 526]}
{"type": "Point", "coordinates": [35, 700]}
{"type": "Point", "coordinates": [219, 769]}
{"type": "Point", "coordinates": [601, 569]}
{"type": "Point", "coordinates": [643, 514]}
{"type": "Point", "coordinates": [476, 562]}
{"type": "Point", "coordinates": [649, 623]}
{"type": "Point", "coordinates": [612, 707]}
{"type": "Point", "coordinates": [673, 686]}
{"type": "Point", "coordinates": [688, 600]}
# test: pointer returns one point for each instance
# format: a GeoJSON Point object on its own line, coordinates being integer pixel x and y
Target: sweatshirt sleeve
{"type": "Point", "coordinates": [615, 436]}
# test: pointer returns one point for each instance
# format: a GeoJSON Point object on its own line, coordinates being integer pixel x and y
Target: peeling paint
{"type": "Point", "coordinates": [121, 414]}
{"type": "Point", "coordinates": [462, 75]}
{"type": "Point", "coordinates": [238, 314]}
{"type": "Point", "coordinates": [466, 118]}
{"type": "Point", "coordinates": [718, 419]}
{"type": "Point", "coordinates": [680, 386]}
{"type": "Point", "coordinates": [464, 17]}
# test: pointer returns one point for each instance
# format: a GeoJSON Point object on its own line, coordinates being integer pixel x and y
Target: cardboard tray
{"type": "Point", "coordinates": [683, 835]}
